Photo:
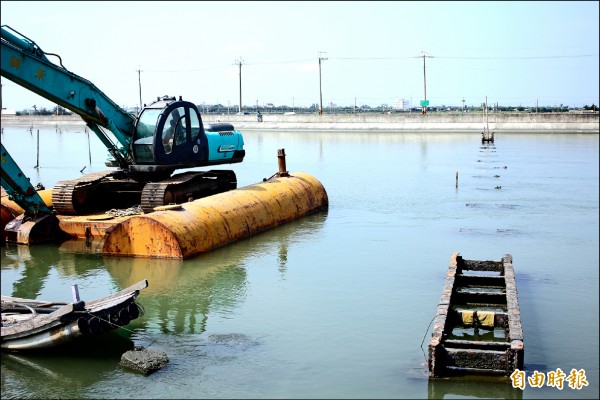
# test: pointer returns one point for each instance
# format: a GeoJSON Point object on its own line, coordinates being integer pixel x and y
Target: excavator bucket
{"type": "Point", "coordinates": [29, 230]}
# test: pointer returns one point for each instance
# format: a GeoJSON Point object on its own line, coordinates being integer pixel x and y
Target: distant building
{"type": "Point", "coordinates": [401, 104]}
{"type": "Point", "coordinates": [6, 111]}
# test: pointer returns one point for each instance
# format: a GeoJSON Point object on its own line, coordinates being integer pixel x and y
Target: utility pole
{"type": "Point", "coordinates": [320, 91]}
{"type": "Point", "coordinates": [463, 106]}
{"type": "Point", "coordinates": [424, 103]}
{"type": "Point", "coordinates": [139, 71]}
{"type": "Point", "coordinates": [240, 61]}
{"type": "Point", "coordinates": [424, 86]}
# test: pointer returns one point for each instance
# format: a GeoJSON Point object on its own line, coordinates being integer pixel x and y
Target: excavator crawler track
{"type": "Point", "coordinates": [99, 191]}
{"type": "Point", "coordinates": [186, 187]}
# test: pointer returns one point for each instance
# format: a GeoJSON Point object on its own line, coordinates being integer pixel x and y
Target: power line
{"type": "Point", "coordinates": [188, 70]}
{"type": "Point", "coordinates": [519, 58]}
{"type": "Point", "coordinates": [469, 57]}
{"type": "Point", "coordinates": [376, 59]}
{"type": "Point", "coordinates": [283, 62]}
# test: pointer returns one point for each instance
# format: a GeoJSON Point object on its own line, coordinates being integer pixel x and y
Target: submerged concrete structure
{"type": "Point", "coordinates": [477, 328]}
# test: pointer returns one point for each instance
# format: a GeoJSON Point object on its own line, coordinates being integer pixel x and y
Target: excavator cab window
{"type": "Point", "coordinates": [144, 136]}
{"type": "Point", "coordinates": [195, 125]}
{"type": "Point", "coordinates": [174, 132]}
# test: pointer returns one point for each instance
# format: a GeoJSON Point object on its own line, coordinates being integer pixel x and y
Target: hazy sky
{"type": "Point", "coordinates": [515, 53]}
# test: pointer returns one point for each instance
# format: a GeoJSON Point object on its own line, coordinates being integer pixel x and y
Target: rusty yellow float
{"type": "Point", "coordinates": [199, 226]}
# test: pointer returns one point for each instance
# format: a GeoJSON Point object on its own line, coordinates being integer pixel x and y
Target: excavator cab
{"type": "Point", "coordinates": [170, 135]}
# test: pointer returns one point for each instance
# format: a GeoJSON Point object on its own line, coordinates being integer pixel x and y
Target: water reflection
{"type": "Point", "coordinates": [178, 302]}
{"type": "Point", "coordinates": [58, 373]}
{"type": "Point", "coordinates": [34, 268]}
{"type": "Point", "coordinates": [38, 267]}
{"type": "Point", "coordinates": [472, 386]}
{"type": "Point", "coordinates": [181, 294]}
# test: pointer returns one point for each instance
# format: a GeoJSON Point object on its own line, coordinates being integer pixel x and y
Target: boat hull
{"type": "Point", "coordinates": [51, 326]}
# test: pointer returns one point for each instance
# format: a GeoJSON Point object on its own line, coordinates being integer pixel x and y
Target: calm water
{"type": "Point", "coordinates": [337, 304]}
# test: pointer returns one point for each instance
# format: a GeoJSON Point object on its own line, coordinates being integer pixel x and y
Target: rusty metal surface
{"type": "Point", "coordinates": [11, 210]}
{"type": "Point", "coordinates": [29, 230]}
{"type": "Point", "coordinates": [204, 224]}
{"type": "Point", "coordinates": [91, 226]}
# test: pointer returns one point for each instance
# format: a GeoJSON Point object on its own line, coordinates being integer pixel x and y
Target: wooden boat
{"type": "Point", "coordinates": [477, 328]}
{"type": "Point", "coordinates": [36, 324]}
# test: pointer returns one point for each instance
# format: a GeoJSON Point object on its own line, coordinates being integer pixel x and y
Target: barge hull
{"type": "Point", "coordinates": [184, 230]}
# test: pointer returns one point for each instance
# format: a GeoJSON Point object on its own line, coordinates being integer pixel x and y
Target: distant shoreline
{"type": "Point", "coordinates": [434, 122]}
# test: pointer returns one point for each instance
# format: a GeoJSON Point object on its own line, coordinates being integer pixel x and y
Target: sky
{"type": "Point", "coordinates": [517, 53]}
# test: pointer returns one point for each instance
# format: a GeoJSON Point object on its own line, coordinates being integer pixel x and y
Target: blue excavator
{"type": "Point", "coordinates": [145, 149]}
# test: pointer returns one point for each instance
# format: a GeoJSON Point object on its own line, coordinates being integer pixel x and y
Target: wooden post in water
{"type": "Point", "coordinates": [75, 293]}
{"type": "Point", "coordinates": [89, 145]}
{"type": "Point", "coordinates": [456, 178]}
{"type": "Point", "coordinates": [37, 165]}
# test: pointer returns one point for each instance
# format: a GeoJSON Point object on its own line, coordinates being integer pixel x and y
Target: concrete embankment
{"type": "Point", "coordinates": [418, 122]}
{"type": "Point", "coordinates": [502, 122]}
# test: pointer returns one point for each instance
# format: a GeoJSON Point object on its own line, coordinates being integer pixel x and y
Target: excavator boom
{"type": "Point", "coordinates": [26, 64]}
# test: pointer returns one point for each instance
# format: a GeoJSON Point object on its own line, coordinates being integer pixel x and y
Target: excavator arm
{"type": "Point", "coordinates": [38, 224]}
{"type": "Point", "coordinates": [19, 188]}
{"type": "Point", "coordinates": [166, 136]}
{"type": "Point", "coordinates": [24, 63]}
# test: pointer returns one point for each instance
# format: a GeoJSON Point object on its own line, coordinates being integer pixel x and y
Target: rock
{"type": "Point", "coordinates": [144, 360]}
